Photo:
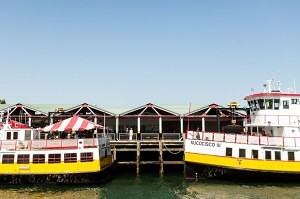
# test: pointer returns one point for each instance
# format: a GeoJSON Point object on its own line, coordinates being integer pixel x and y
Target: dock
{"type": "Point", "coordinates": [150, 150]}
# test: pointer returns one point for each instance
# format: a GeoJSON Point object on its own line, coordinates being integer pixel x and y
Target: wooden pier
{"type": "Point", "coordinates": [148, 152]}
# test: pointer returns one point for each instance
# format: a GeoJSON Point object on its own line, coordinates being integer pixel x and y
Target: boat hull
{"type": "Point", "coordinates": [201, 171]}
{"type": "Point", "coordinates": [95, 177]}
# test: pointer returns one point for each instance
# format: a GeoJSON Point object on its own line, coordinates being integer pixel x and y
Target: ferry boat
{"type": "Point", "coordinates": [71, 153]}
{"type": "Point", "coordinates": [268, 145]}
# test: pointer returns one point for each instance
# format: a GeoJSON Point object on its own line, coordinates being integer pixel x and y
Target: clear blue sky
{"type": "Point", "coordinates": [131, 52]}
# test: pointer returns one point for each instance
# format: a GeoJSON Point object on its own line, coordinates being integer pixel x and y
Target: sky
{"type": "Point", "coordinates": [133, 52]}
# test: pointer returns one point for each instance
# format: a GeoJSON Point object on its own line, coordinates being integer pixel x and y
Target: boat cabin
{"type": "Point", "coordinates": [8, 133]}
{"type": "Point", "coordinates": [274, 113]}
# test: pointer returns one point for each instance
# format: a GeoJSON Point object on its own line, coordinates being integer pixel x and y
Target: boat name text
{"type": "Point", "coordinates": [203, 143]}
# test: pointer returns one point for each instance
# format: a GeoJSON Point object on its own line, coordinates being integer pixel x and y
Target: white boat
{"type": "Point", "coordinates": [64, 157]}
{"type": "Point", "coordinates": [269, 145]}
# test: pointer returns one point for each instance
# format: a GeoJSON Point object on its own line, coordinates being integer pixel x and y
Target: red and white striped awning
{"type": "Point", "coordinates": [74, 123]}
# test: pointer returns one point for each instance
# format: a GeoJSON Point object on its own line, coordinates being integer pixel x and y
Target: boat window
{"type": "Point", "coordinates": [253, 105]}
{"type": "Point", "coordinates": [27, 134]}
{"type": "Point", "coordinates": [285, 104]}
{"type": "Point", "coordinates": [242, 153]}
{"type": "Point", "coordinates": [291, 156]}
{"type": "Point", "coordinates": [255, 154]}
{"type": "Point", "coordinates": [8, 135]}
{"type": "Point", "coordinates": [15, 136]}
{"type": "Point", "coordinates": [54, 158]}
{"type": "Point", "coordinates": [8, 158]}
{"type": "Point", "coordinates": [276, 104]}
{"type": "Point", "coordinates": [86, 157]}
{"type": "Point", "coordinates": [277, 155]}
{"type": "Point", "coordinates": [256, 105]}
{"type": "Point", "coordinates": [268, 155]}
{"type": "Point", "coordinates": [261, 103]}
{"type": "Point", "coordinates": [70, 157]}
{"type": "Point", "coordinates": [228, 151]}
{"type": "Point", "coordinates": [269, 103]}
{"type": "Point", "coordinates": [23, 159]}
{"type": "Point", "coordinates": [38, 158]}
{"type": "Point", "coordinates": [295, 101]}
{"type": "Point", "coordinates": [250, 106]}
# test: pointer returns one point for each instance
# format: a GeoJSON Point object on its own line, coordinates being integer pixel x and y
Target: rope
{"type": "Point", "coordinates": [174, 153]}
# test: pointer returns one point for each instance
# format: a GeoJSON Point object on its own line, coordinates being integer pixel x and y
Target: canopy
{"type": "Point", "coordinates": [74, 123]}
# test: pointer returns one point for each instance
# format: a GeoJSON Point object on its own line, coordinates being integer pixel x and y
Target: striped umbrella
{"type": "Point", "coordinates": [74, 123]}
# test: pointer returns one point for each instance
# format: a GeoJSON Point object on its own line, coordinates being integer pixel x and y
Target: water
{"type": "Point", "coordinates": [151, 186]}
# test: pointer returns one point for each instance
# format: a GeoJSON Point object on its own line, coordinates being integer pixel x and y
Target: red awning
{"type": "Point", "coordinates": [74, 123]}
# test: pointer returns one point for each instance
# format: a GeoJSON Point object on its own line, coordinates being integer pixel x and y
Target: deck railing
{"type": "Point", "coordinates": [275, 119]}
{"type": "Point", "coordinates": [245, 139]}
{"type": "Point", "coordinates": [60, 144]}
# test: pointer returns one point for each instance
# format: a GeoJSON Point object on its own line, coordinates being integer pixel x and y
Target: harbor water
{"type": "Point", "coordinates": [151, 186]}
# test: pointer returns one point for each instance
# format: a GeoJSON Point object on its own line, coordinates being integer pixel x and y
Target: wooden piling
{"type": "Point", "coordinates": [134, 153]}
{"type": "Point", "coordinates": [161, 171]}
{"type": "Point", "coordinates": [138, 149]}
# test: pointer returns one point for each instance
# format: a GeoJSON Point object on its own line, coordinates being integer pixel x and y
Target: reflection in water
{"type": "Point", "coordinates": [148, 186]}
{"type": "Point", "coordinates": [42, 192]}
{"type": "Point", "coordinates": [215, 189]}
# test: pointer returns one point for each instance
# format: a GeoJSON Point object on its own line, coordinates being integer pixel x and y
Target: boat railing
{"type": "Point", "coordinates": [59, 144]}
{"type": "Point", "coordinates": [275, 119]}
{"type": "Point", "coordinates": [277, 141]}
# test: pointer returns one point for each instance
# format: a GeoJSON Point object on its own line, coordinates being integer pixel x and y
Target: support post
{"type": "Point", "coordinates": [161, 161]}
{"type": "Point", "coordinates": [117, 126]}
{"type": "Point", "coordinates": [203, 124]}
{"type": "Point", "coordinates": [181, 126]}
{"type": "Point", "coordinates": [115, 154]}
{"type": "Point", "coordinates": [138, 148]}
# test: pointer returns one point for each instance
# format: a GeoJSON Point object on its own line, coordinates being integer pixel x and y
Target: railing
{"type": "Point", "coordinates": [245, 139]}
{"type": "Point", "coordinates": [145, 136]}
{"type": "Point", "coordinates": [275, 119]}
{"type": "Point", "coordinates": [60, 144]}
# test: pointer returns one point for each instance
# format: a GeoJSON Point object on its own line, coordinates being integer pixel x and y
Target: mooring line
{"type": "Point", "coordinates": [174, 153]}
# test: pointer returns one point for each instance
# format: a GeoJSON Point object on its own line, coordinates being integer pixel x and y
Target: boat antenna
{"type": "Point", "coordinates": [295, 91]}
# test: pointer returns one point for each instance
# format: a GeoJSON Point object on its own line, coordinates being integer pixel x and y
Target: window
{"type": "Point", "coordinates": [261, 103]}
{"type": "Point", "coordinates": [276, 104]}
{"type": "Point", "coordinates": [23, 159]}
{"type": "Point", "coordinates": [269, 103]}
{"type": "Point", "coordinates": [242, 153]}
{"type": "Point", "coordinates": [277, 155]}
{"type": "Point", "coordinates": [285, 104]}
{"type": "Point", "coordinates": [295, 101]}
{"type": "Point", "coordinates": [255, 154]}
{"type": "Point", "coordinates": [15, 136]}
{"type": "Point", "coordinates": [27, 134]}
{"type": "Point", "coordinates": [86, 157]}
{"type": "Point", "coordinates": [38, 159]}
{"type": "Point", "coordinates": [8, 135]}
{"type": "Point", "coordinates": [291, 156]}
{"type": "Point", "coordinates": [70, 157]}
{"type": "Point", "coordinates": [256, 105]}
{"type": "Point", "coordinates": [228, 151]}
{"type": "Point", "coordinates": [268, 155]}
{"type": "Point", "coordinates": [8, 159]}
{"type": "Point", "coordinates": [54, 158]}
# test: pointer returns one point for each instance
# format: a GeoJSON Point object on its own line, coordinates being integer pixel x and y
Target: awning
{"type": "Point", "coordinates": [74, 123]}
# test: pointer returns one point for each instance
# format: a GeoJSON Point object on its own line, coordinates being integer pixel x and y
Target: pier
{"type": "Point", "coordinates": [149, 149]}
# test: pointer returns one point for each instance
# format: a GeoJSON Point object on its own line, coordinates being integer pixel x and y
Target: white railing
{"type": "Point", "coordinates": [275, 119]}
{"type": "Point", "coordinates": [59, 144]}
{"type": "Point", "coordinates": [245, 139]}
